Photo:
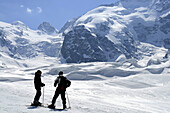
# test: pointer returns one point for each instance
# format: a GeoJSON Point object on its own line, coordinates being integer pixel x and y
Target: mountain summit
{"type": "Point", "coordinates": [47, 28]}
{"type": "Point", "coordinates": [20, 25]}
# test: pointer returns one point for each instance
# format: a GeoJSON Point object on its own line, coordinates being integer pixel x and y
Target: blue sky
{"type": "Point", "coordinates": [56, 12]}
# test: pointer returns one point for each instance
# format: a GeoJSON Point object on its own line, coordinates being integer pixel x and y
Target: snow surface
{"type": "Point", "coordinates": [101, 87]}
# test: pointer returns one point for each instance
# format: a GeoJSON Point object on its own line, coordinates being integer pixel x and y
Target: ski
{"type": "Point", "coordinates": [46, 106]}
{"type": "Point", "coordinates": [58, 109]}
{"type": "Point", "coordinates": [34, 106]}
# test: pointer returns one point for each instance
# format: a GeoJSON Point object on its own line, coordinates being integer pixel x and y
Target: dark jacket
{"type": "Point", "coordinates": [62, 82]}
{"type": "Point", "coordinates": [37, 81]}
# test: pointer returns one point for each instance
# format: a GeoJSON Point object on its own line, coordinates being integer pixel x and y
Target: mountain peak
{"type": "Point", "coordinates": [19, 24]}
{"type": "Point", "coordinates": [47, 28]}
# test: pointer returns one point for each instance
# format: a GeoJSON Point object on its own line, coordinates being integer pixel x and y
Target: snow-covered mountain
{"type": "Point", "coordinates": [129, 28]}
{"type": "Point", "coordinates": [19, 45]}
{"type": "Point", "coordinates": [47, 28]}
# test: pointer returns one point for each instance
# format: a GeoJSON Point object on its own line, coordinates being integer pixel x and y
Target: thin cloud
{"type": "Point", "coordinates": [29, 10]}
{"type": "Point", "coordinates": [21, 6]}
{"type": "Point", "coordinates": [39, 9]}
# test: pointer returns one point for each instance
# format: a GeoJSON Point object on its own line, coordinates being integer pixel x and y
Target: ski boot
{"type": "Point", "coordinates": [51, 106]}
{"type": "Point", "coordinates": [36, 103]}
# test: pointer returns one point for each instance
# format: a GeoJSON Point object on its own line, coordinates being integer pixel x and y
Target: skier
{"type": "Point", "coordinates": [63, 83]}
{"type": "Point", "coordinates": [38, 84]}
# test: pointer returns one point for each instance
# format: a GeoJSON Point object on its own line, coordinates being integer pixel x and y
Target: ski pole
{"type": "Point", "coordinates": [43, 95]}
{"type": "Point", "coordinates": [68, 100]}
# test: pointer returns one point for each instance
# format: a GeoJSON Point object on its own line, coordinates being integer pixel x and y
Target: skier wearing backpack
{"type": "Point", "coordinates": [62, 83]}
{"type": "Point", "coordinates": [38, 84]}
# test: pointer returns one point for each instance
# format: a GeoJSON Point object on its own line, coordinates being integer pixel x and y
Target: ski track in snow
{"type": "Point", "coordinates": [142, 92]}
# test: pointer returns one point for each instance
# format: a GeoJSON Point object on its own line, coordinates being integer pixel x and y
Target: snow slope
{"type": "Point", "coordinates": [100, 87]}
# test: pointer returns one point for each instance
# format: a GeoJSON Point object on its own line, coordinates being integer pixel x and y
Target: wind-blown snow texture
{"type": "Point", "coordinates": [126, 45]}
{"type": "Point", "coordinates": [96, 88]}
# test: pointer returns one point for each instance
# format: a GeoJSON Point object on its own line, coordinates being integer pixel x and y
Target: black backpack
{"type": "Point", "coordinates": [63, 82]}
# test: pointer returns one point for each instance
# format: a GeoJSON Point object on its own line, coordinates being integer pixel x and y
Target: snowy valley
{"type": "Point", "coordinates": [117, 57]}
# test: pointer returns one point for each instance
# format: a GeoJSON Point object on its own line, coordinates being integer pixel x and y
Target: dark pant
{"type": "Point", "coordinates": [37, 96]}
{"type": "Point", "coordinates": [57, 92]}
